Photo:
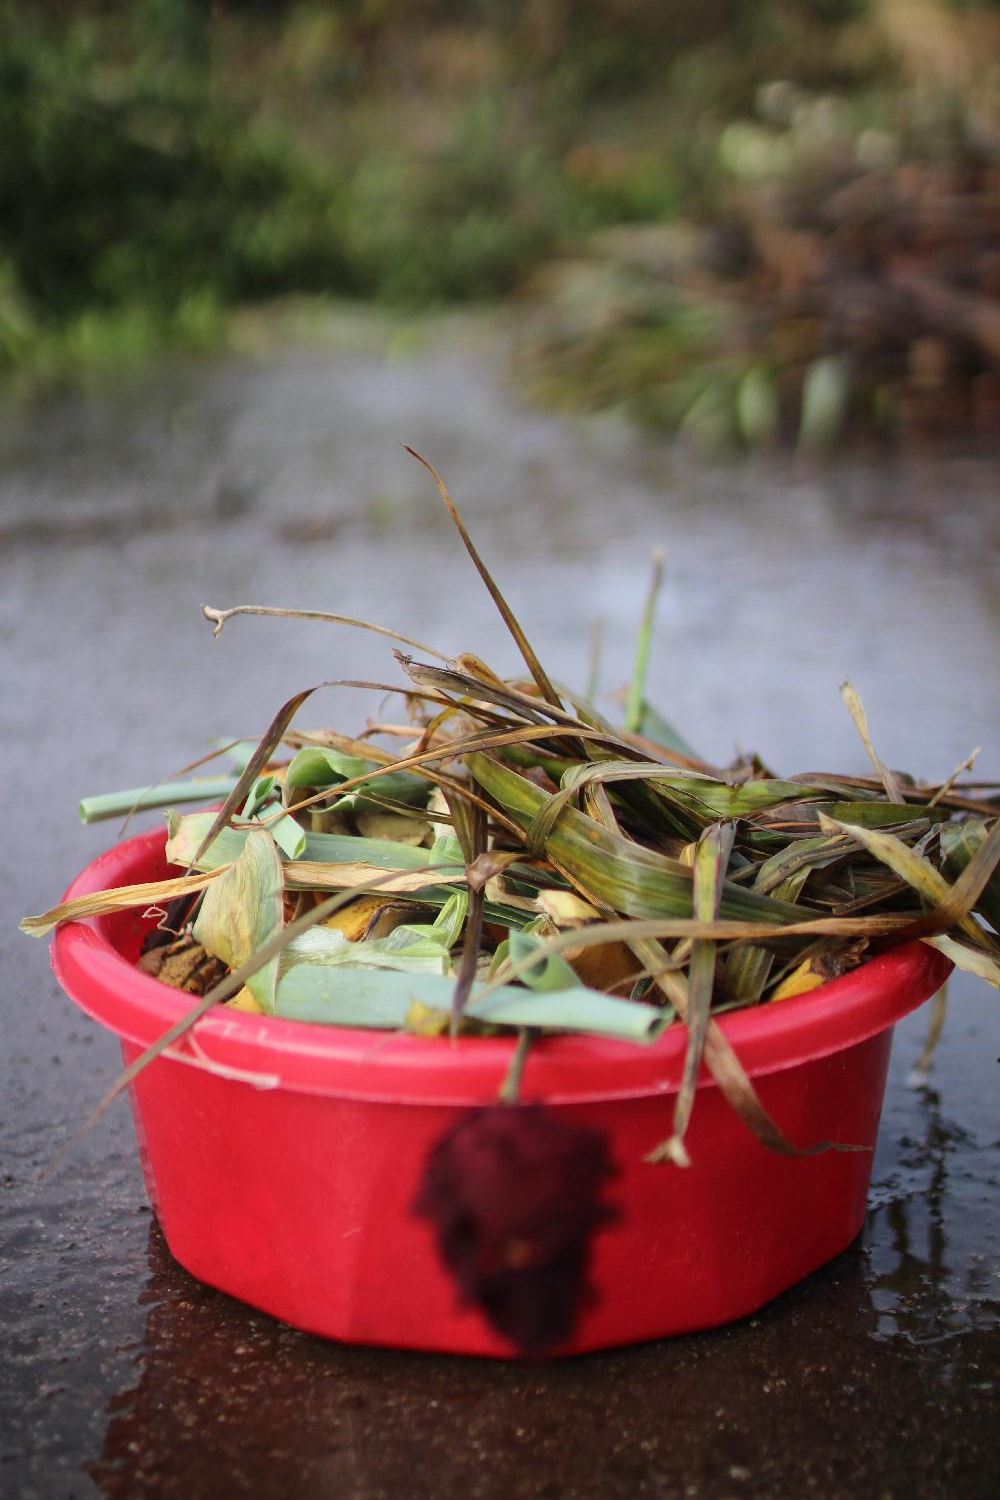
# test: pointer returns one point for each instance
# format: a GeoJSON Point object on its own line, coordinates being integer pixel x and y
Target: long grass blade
{"type": "Point", "coordinates": [726, 1068]}
{"type": "Point", "coordinates": [856, 709]}
{"type": "Point", "coordinates": [472, 831]}
{"type": "Point", "coordinates": [219, 617]}
{"type": "Point", "coordinates": [711, 861]}
{"type": "Point", "coordinates": [647, 933]}
{"type": "Point", "coordinates": [935, 1030]}
{"type": "Point", "coordinates": [949, 781]}
{"type": "Point", "coordinates": [122, 898]}
{"type": "Point", "coordinates": [463, 684]}
{"type": "Point", "coordinates": [640, 670]}
{"type": "Point", "coordinates": [531, 661]}
{"type": "Point", "coordinates": [458, 749]}
{"type": "Point", "coordinates": [959, 843]}
{"type": "Point", "coordinates": [970, 960]}
{"type": "Point", "coordinates": [950, 904]}
{"type": "Point", "coordinates": [713, 799]}
{"type": "Point", "coordinates": [623, 875]}
{"type": "Point", "coordinates": [269, 742]}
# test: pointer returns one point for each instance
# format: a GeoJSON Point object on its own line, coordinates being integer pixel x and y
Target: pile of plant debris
{"type": "Point", "coordinates": [509, 859]}
{"type": "Point", "coordinates": [834, 288]}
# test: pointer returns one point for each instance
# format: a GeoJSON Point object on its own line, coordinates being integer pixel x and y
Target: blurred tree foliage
{"type": "Point", "coordinates": [129, 194]}
{"type": "Point", "coordinates": [163, 160]}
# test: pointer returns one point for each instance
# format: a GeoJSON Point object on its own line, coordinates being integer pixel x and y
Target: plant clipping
{"type": "Point", "coordinates": [504, 860]}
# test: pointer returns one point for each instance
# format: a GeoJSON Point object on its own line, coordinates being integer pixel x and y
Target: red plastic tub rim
{"type": "Point", "coordinates": [356, 1063]}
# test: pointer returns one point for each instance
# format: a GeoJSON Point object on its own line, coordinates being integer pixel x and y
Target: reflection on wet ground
{"type": "Point", "coordinates": [931, 1279]}
{"type": "Point", "coordinates": [120, 513]}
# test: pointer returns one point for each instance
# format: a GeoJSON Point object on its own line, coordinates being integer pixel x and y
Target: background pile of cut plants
{"type": "Point", "coordinates": [497, 855]}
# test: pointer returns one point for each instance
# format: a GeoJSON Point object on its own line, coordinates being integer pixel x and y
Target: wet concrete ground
{"type": "Point", "coordinates": [282, 482]}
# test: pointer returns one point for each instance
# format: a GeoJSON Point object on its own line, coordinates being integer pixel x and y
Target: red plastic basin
{"type": "Point", "coordinates": [282, 1158]}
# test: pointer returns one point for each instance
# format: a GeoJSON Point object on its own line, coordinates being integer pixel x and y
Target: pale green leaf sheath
{"type": "Point", "coordinates": [243, 910]}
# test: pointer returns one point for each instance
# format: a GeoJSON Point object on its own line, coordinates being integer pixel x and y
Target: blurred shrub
{"type": "Point", "coordinates": [126, 190]}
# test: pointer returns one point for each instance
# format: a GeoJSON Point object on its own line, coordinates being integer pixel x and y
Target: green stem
{"type": "Point", "coordinates": [637, 687]}
{"type": "Point", "coordinates": [166, 794]}
{"type": "Point", "coordinates": [510, 1089]}
{"type": "Point", "coordinates": [594, 670]}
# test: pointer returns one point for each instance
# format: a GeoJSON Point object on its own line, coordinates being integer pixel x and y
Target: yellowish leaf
{"type": "Point", "coordinates": [245, 1001]}
{"type": "Point", "coordinates": [98, 903]}
{"type": "Point", "coordinates": [377, 824]}
{"type": "Point", "coordinates": [369, 916]}
{"type": "Point", "coordinates": [972, 960]}
{"type": "Point", "coordinates": [566, 908]}
{"type": "Point", "coordinates": [426, 1020]}
{"type": "Point", "coordinates": [317, 875]}
{"type": "Point", "coordinates": [808, 976]}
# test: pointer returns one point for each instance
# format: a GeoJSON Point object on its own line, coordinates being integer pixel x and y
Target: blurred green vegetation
{"type": "Point", "coordinates": [166, 160]}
